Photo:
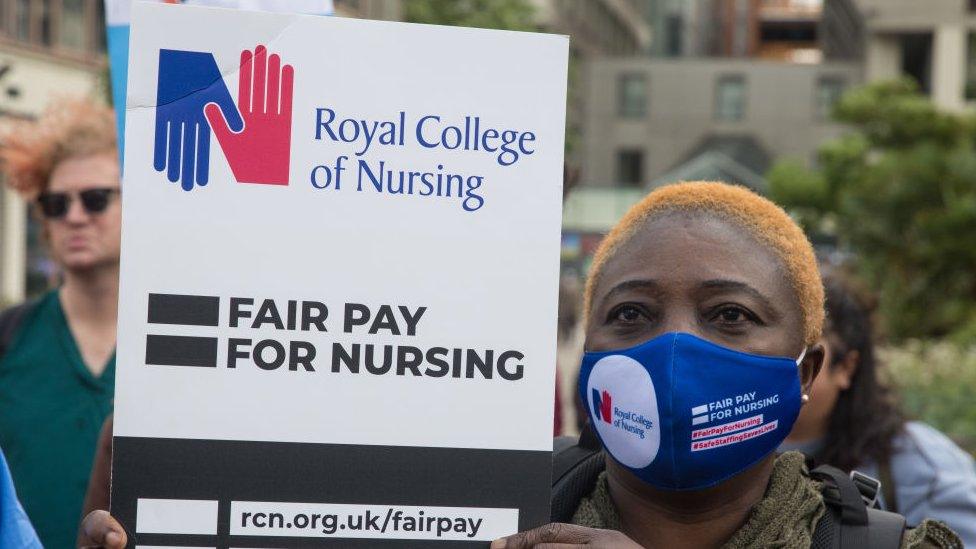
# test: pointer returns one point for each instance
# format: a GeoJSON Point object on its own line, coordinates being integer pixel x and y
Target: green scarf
{"type": "Point", "coordinates": [785, 518]}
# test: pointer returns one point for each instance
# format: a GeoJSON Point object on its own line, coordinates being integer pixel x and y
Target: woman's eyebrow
{"type": "Point", "coordinates": [636, 284]}
{"type": "Point", "coordinates": [735, 285]}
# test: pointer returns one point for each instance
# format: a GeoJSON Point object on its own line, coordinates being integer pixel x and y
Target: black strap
{"type": "Point", "coordinates": [888, 486]}
{"type": "Point", "coordinates": [850, 522]}
{"type": "Point", "coordinates": [569, 452]}
{"type": "Point", "coordinates": [576, 464]}
{"type": "Point", "coordinates": [840, 492]}
{"type": "Point", "coordinates": [10, 321]}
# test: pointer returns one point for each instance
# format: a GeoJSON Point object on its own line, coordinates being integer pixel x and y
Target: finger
{"type": "Point", "coordinates": [553, 532]}
{"type": "Point", "coordinates": [175, 142]}
{"type": "Point", "coordinates": [244, 82]}
{"type": "Point", "coordinates": [287, 87]}
{"type": "Point", "coordinates": [274, 75]}
{"type": "Point", "coordinates": [215, 116]}
{"type": "Point", "coordinates": [102, 529]}
{"type": "Point", "coordinates": [203, 154]}
{"type": "Point", "coordinates": [260, 72]}
{"type": "Point", "coordinates": [159, 145]}
{"type": "Point", "coordinates": [189, 155]}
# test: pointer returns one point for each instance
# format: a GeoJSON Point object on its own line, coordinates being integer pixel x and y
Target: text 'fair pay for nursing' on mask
{"type": "Point", "coordinates": [292, 336]}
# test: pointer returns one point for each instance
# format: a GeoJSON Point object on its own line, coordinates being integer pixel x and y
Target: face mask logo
{"type": "Point", "coordinates": [624, 407]}
{"type": "Point", "coordinates": [683, 413]}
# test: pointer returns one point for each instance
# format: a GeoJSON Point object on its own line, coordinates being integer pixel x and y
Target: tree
{"type": "Point", "coordinates": [899, 192]}
{"type": "Point", "coordinates": [486, 14]}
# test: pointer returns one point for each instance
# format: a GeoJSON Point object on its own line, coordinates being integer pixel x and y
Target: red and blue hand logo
{"type": "Point", "coordinates": [255, 134]}
{"type": "Point", "coordinates": [602, 407]}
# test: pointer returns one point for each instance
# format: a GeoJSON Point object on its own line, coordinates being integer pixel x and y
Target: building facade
{"type": "Point", "coordinates": [597, 27]}
{"type": "Point", "coordinates": [647, 118]}
{"type": "Point", "coordinates": [933, 42]}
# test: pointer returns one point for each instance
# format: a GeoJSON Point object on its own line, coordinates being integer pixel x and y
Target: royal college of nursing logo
{"type": "Point", "coordinates": [602, 404]}
{"type": "Point", "coordinates": [254, 134]}
{"type": "Point", "coordinates": [623, 404]}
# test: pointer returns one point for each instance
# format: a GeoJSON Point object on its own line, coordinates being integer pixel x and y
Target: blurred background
{"type": "Point", "coordinates": [855, 115]}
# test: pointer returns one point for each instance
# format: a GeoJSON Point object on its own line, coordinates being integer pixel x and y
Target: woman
{"type": "Point", "coordinates": [702, 305]}
{"type": "Point", "coordinates": [852, 422]}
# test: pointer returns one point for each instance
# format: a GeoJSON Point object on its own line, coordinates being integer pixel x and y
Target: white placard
{"type": "Point", "coordinates": [468, 279]}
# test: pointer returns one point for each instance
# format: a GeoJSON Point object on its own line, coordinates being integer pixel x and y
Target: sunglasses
{"type": "Point", "coordinates": [94, 201]}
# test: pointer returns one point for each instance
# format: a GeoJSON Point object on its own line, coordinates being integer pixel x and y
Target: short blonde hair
{"type": "Point", "coordinates": [31, 149]}
{"type": "Point", "coordinates": [766, 221]}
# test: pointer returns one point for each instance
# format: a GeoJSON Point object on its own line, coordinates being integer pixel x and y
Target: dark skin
{"type": "Point", "coordinates": [705, 276]}
{"type": "Point", "coordinates": [679, 273]}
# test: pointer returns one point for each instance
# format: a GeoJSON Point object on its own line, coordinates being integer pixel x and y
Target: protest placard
{"type": "Point", "coordinates": [337, 314]}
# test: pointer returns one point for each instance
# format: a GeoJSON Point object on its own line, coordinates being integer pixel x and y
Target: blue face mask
{"type": "Point", "coordinates": [682, 413]}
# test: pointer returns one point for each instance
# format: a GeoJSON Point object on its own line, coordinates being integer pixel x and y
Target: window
{"type": "Point", "coordinates": [630, 167]}
{"type": "Point", "coordinates": [730, 98]}
{"type": "Point", "coordinates": [971, 67]}
{"type": "Point", "coordinates": [45, 22]}
{"type": "Point", "coordinates": [100, 37]}
{"type": "Point", "coordinates": [71, 27]}
{"type": "Point", "coordinates": [22, 19]}
{"type": "Point", "coordinates": [674, 25]}
{"type": "Point", "coordinates": [829, 90]}
{"type": "Point", "coordinates": [632, 95]}
{"type": "Point", "coordinates": [916, 58]}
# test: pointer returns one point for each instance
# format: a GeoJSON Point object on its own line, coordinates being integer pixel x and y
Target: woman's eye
{"type": "Point", "coordinates": [734, 315]}
{"type": "Point", "coordinates": [731, 315]}
{"type": "Point", "coordinates": [626, 314]}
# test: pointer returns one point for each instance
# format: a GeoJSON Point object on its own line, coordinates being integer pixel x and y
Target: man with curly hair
{"type": "Point", "coordinates": [57, 357]}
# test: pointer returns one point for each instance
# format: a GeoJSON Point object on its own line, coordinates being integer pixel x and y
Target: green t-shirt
{"type": "Point", "coordinates": [51, 410]}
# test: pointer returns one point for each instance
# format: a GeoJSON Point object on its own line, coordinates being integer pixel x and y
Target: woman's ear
{"type": "Point", "coordinates": [845, 369]}
{"type": "Point", "coordinates": [811, 365]}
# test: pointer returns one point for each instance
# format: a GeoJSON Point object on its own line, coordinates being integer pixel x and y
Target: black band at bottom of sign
{"type": "Point", "coordinates": [228, 471]}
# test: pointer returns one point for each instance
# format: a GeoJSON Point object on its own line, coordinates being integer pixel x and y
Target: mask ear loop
{"type": "Point", "coordinates": [804, 398]}
{"type": "Point", "coordinates": [802, 354]}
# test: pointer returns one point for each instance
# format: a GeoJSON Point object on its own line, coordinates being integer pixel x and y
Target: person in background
{"type": "Point", "coordinates": [57, 368]}
{"type": "Point", "coordinates": [852, 422]}
{"type": "Point", "coordinates": [16, 531]}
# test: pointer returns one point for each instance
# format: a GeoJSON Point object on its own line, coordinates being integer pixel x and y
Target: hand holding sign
{"type": "Point", "coordinates": [99, 529]}
{"type": "Point", "coordinates": [259, 153]}
{"type": "Point", "coordinates": [187, 81]}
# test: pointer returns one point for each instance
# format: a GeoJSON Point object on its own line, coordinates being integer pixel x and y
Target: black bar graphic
{"type": "Point", "coordinates": [191, 310]}
{"type": "Point", "coordinates": [162, 350]}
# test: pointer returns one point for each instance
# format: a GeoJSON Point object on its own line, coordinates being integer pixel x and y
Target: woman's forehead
{"type": "Point", "coordinates": [689, 249]}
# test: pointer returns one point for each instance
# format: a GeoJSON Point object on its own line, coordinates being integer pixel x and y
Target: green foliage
{"type": "Point", "coordinates": [790, 182]}
{"type": "Point", "coordinates": [900, 193]}
{"type": "Point", "coordinates": [486, 14]}
{"type": "Point", "coordinates": [935, 382]}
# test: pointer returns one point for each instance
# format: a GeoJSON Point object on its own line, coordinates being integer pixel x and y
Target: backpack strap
{"type": "Point", "coordinates": [851, 520]}
{"type": "Point", "coordinates": [10, 321]}
{"type": "Point", "coordinates": [888, 486]}
{"type": "Point", "coordinates": [576, 464]}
